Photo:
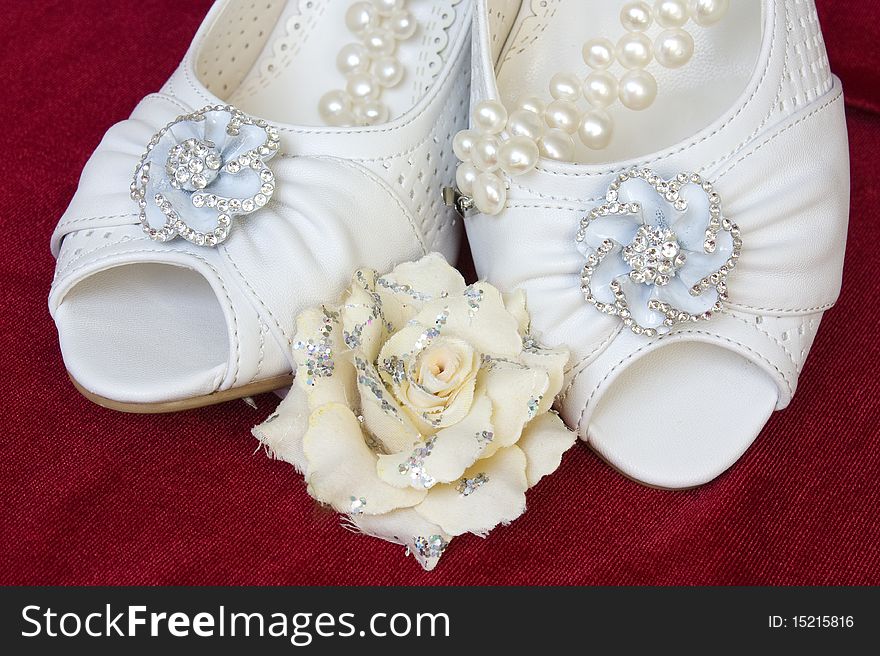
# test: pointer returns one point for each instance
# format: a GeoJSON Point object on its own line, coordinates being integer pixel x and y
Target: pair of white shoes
{"type": "Point", "coordinates": [234, 198]}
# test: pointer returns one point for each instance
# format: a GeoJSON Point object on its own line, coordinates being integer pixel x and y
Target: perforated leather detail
{"type": "Point", "coordinates": [81, 245]}
{"type": "Point", "coordinates": [807, 72]}
{"type": "Point", "coordinates": [234, 43]}
{"type": "Point", "coordinates": [419, 175]}
{"type": "Point", "coordinates": [502, 15]}
{"type": "Point", "coordinates": [794, 335]}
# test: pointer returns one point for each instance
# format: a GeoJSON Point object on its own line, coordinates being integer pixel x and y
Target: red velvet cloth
{"type": "Point", "coordinates": [95, 497]}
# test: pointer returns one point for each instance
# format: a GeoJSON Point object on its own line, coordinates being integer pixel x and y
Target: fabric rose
{"type": "Point", "coordinates": [421, 407]}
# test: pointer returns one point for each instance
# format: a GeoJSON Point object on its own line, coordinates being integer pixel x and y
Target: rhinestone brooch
{"type": "Point", "coordinates": [658, 251]}
{"type": "Point", "coordinates": [202, 170]}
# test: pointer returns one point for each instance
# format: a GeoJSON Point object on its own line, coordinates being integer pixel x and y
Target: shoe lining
{"type": "Point", "coordinates": [547, 37]}
{"type": "Point", "coordinates": [127, 329]}
{"type": "Point", "coordinates": [277, 59]}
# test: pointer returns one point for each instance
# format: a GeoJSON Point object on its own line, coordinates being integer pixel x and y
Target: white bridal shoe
{"type": "Point", "coordinates": [296, 142]}
{"type": "Point", "coordinates": [669, 183]}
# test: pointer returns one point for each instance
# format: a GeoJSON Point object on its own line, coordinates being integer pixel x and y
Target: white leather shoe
{"type": "Point", "coordinates": [252, 200]}
{"type": "Point", "coordinates": [690, 232]}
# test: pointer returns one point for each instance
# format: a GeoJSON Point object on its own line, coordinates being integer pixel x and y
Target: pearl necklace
{"type": "Point", "coordinates": [369, 66]}
{"type": "Point", "coordinates": [513, 142]}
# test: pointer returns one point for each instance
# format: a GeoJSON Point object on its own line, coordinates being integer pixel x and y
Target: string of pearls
{"type": "Point", "coordinates": [511, 143]}
{"type": "Point", "coordinates": [369, 66]}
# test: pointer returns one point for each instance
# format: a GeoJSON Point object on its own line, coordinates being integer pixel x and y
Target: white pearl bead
{"type": "Point", "coordinates": [370, 112]}
{"type": "Point", "coordinates": [674, 48]}
{"type": "Point", "coordinates": [636, 16]}
{"type": "Point", "coordinates": [518, 155]}
{"type": "Point", "coordinates": [360, 17]}
{"type": "Point", "coordinates": [402, 25]}
{"type": "Point", "coordinates": [490, 116]}
{"type": "Point", "coordinates": [489, 193]}
{"type": "Point", "coordinates": [380, 42]}
{"type": "Point", "coordinates": [484, 154]}
{"type": "Point", "coordinates": [523, 123]}
{"type": "Point", "coordinates": [598, 53]}
{"type": "Point", "coordinates": [353, 58]}
{"type": "Point", "coordinates": [335, 108]}
{"type": "Point", "coordinates": [533, 104]}
{"type": "Point", "coordinates": [361, 86]}
{"type": "Point", "coordinates": [708, 12]}
{"type": "Point", "coordinates": [562, 115]}
{"type": "Point", "coordinates": [388, 7]}
{"type": "Point", "coordinates": [565, 86]}
{"type": "Point", "coordinates": [596, 129]}
{"type": "Point", "coordinates": [465, 176]}
{"type": "Point", "coordinates": [388, 71]}
{"type": "Point", "coordinates": [600, 89]}
{"type": "Point", "coordinates": [463, 144]}
{"type": "Point", "coordinates": [634, 50]}
{"type": "Point", "coordinates": [638, 89]}
{"type": "Point", "coordinates": [556, 144]}
{"type": "Point", "coordinates": [671, 13]}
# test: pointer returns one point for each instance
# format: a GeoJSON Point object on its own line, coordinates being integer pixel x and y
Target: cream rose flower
{"type": "Point", "coordinates": [421, 407]}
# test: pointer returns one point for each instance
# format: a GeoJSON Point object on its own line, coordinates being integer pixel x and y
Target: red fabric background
{"type": "Point", "coordinates": [94, 497]}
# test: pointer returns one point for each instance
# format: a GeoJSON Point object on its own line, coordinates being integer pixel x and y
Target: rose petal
{"type": "Point", "coordinates": [401, 358]}
{"type": "Point", "coordinates": [553, 361]}
{"type": "Point", "coordinates": [362, 319]}
{"type": "Point", "coordinates": [449, 453]}
{"type": "Point", "coordinates": [544, 440]}
{"type": "Point", "coordinates": [410, 285]}
{"type": "Point", "coordinates": [407, 527]}
{"type": "Point", "coordinates": [322, 371]}
{"type": "Point", "coordinates": [498, 500]}
{"type": "Point", "coordinates": [455, 409]}
{"type": "Point", "coordinates": [515, 303]}
{"type": "Point", "coordinates": [341, 466]}
{"type": "Point", "coordinates": [283, 431]}
{"type": "Point", "coordinates": [384, 418]}
{"type": "Point", "coordinates": [479, 318]}
{"type": "Point", "coordinates": [516, 392]}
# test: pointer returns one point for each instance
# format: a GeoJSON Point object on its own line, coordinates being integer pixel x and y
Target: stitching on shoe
{"type": "Point", "coordinates": [773, 105]}
{"type": "Point", "coordinates": [809, 310]}
{"type": "Point", "coordinates": [766, 333]}
{"type": "Point", "coordinates": [521, 39]}
{"type": "Point", "coordinates": [772, 137]}
{"type": "Point", "coordinates": [60, 273]}
{"type": "Point", "coordinates": [132, 215]}
{"type": "Point", "coordinates": [534, 192]}
{"type": "Point", "coordinates": [538, 206]}
{"type": "Point", "coordinates": [164, 96]}
{"type": "Point", "coordinates": [223, 249]}
{"type": "Point", "coordinates": [262, 325]}
{"type": "Point", "coordinates": [216, 273]}
{"type": "Point", "coordinates": [582, 364]}
{"type": "Point", "coordinates": [631, 355]}
{"type": "Point", "coordinates": [384, 185]}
